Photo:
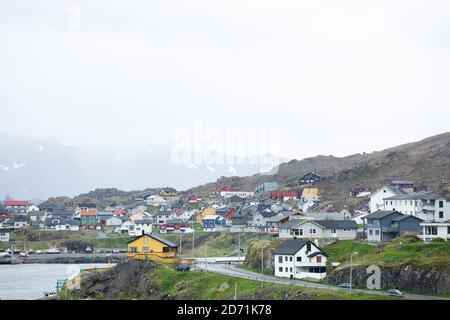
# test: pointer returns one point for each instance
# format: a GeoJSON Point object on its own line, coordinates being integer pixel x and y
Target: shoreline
{"type": "Point", "coordinates": [64, 259]}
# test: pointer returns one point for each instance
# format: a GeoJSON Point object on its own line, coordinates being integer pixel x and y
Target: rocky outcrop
{"type": "Point", "coordinates": [407, 278]}
{"type": "Point", "coordinates": [261, 248]}
{"type": "Point", "coordinates": [125, 281]}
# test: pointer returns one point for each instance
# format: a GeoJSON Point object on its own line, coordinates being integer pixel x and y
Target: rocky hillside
{"type": "Point", "coordinates": [406, 278]}
{"type": "Point", "coordinates": [426, 161]}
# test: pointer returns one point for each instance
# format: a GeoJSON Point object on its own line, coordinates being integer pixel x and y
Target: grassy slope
{"type": "Point", "coordinates": [215, 287]}
{"type": "Point", "coordinates": [399, 252]}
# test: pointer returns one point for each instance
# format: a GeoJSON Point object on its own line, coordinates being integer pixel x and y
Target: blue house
{"type": "Point", "coordinates": [382, 226]}
{"type": "Point", "coordinates": [211, 223]}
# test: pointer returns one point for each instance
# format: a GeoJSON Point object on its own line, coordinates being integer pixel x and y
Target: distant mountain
{"type": "Point", "coordinates": [426, 161]}
{"type": "Point", "coordinates": [32, 168]}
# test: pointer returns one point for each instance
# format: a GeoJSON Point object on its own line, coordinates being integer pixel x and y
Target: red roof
{"type": "Point", "coordinates": [16, 203]}
{"type": "Point", "coordinates": [90, 212]}
{"type": "Point", "coordinates": [192, 198]}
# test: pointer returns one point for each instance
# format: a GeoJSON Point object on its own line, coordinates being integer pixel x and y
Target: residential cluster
{"type": "Point", "coordinates": [299, 216]}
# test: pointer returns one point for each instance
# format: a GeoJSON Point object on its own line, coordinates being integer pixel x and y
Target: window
{"type": "Point", "coordinates": [290, 269]}
{"type": "Point", "coordinates": [280, 269]}
{"type": "Point", "coordinates": [377, 232]}
{"type": "Point", "coordinates": [441, 204]}
{"type": "Point", "coordinates": [319, 259]}
{"type": "Point", "coordinates": [301, 232]}
{"type": "Point", "coordinates": [441, 214]}
{"type": "Point", "coordinates": [290, 259]}
{"type": "Point", "coordinates": [333, 230]}
{"type": "Point", "coordinates": [280, 259]}
{"type": "Point", "coordinates": [133, 249]}
{"type": "Point", "coordinates": [448, 230]}
{"type": "Point", "coordinates": [299, 259]}
{"type": "Point", "coordinates": [144, 249]}
{"type": "Point", "coordinates": [286, 269]}
{"type": "Point", "coordinates": [308, 247]}
{"type": "Point", "coordinates": [370, 232]}
{"type": "Point", "coordinates": [145, 240]}
{"type": "Point", "coordinates": [312, 231]}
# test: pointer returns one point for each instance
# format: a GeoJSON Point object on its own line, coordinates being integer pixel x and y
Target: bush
{"type": "Point", "coordinates": [76, 245]}
{"type": "Point", "coordinates": [438, 240]}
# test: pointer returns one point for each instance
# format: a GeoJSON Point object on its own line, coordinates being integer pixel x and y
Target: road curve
{"type": "Point", "coordinates": [232, 270]}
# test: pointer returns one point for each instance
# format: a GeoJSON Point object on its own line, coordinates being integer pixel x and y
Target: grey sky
{"type": "Point", "coordinates": [334, 77]}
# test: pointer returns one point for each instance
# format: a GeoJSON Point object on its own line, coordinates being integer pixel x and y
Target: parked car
{"type": "Point", "coordinates": [183, 268]}
{"type": "Point", "coordinates": [5, 255]}
{"type": "Point", "coordinates": [39, 252]}
{"type": "Point", "coordinates": [24, 254]}
{"type": "Point", "coordinates": [345, 285]}
{"type": "Point", "coordinates": [395, 293]}
{"type": "Point", "coordinates": [116, 251]}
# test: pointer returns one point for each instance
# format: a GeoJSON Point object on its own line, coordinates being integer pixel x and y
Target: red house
{"type": "Point", "coordinates": [229, 215]}
{"type": "Point", "coordinates": [282, 195]}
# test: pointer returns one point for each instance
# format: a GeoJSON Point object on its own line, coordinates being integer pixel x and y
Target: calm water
{"type": "Point", "coordinates": [30, 281]}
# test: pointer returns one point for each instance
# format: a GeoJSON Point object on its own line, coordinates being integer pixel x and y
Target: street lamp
{"type": "Point", "coordinates": [351, 269]}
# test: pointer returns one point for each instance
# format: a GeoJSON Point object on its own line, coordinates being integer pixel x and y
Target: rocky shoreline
{"type": "Point", "coordinates": [65, 259]}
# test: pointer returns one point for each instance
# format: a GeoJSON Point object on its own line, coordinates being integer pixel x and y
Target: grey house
{"type": "Point", "coordinates": [382, 226]}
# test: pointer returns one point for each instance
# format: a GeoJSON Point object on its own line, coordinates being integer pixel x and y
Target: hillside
{"type": "Point", "coordinates": [426, 161]}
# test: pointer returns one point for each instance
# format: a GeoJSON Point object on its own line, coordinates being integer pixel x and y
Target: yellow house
{"type": "Point", "coordinates": [150, 246]}
{"type": "Point", "coordinates": [311, 194]}
{"type": "Point", "coordinates": [168, 192]}
{"type": "Point", "coordinates": [210, 211]}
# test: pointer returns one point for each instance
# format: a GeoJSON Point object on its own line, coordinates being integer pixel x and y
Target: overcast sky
{"type": "Point", "coordinates": [332, 77]}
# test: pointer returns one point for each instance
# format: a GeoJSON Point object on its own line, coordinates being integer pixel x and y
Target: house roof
{"type": "Point", "coordinates": [157, 238]}
{"type": "Point", "coordinates": [290, 246]}
{"type": "Point", "coordinates": [404, 217]}
{"type": "Point", "coordinates": [267, 214]}
{"type": "Point", "coordinates": [381, 214]}
{"type": "Point", "coordinates": [60, 212]}
{"type": "Point", "coordinates": [10, 203]}
{"type": "Point", "coordinates": [312, 255]}
{"type": "Point", "coordinates": [308, 192]}
{"type": "Point", "coordinates": [338, 224]}
{"type": "Point", "coordinates": [291, 223]}
{"type": "Point", "coordinates": [143, 221]}
{"type": "Point", "coordinates": [90, 212]}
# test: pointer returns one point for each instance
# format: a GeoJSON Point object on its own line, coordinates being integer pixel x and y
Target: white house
{"type": "Point", "coordinates": [143, 226]}
{"type": "Point", "coordinates": [433, 230]}
{"type": "Point", "coordinates": [4, 236]}
{"type": "Point", "coordinates": [241, 194]}
{"type": "Point", "coordinates": [126, 228]}
{"type": "Point", "coordinates": [260, 218]}
{"type": "Point", "coordinates": [426, 206]}
{"type": "Point", "coordinates": [32, 208]}
{"type": "Point", "coordinates": [318, 229]}
{"type": "Point", "coordinates": [377, 198]}
{"type": "Point", "coordinates": [156, 201]}
{"type": "Point", "coordinates": [300, 259]}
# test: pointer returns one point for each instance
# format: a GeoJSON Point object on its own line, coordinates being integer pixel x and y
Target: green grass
{"type": "Point", "coordinates": [340, 251]}
{"type": "Point", "coordinates": [406, 250]}
{"type": "Point", "coordinates": [209, 286]}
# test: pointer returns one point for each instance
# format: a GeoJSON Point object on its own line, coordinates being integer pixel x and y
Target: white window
{"type": "Point", "coordinates": [333, 231]}
{"type": "Point", "coordinates": [312, 231]}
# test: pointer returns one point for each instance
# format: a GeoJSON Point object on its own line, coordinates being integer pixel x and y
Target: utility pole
{"type": "Point", "coordinates": [193, 241]}
{"type": "Point", "coordinates": [262, 267]}
{"type": "Point", "coordinates": [181, 242]}
{"type": "Point", "coordinates": [206, 260]}
{"type": "Point", "coordinates": [239, 245]}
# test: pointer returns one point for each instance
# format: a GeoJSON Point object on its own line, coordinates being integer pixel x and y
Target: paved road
{"type": "Point", "coordinates": [241, 273]}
